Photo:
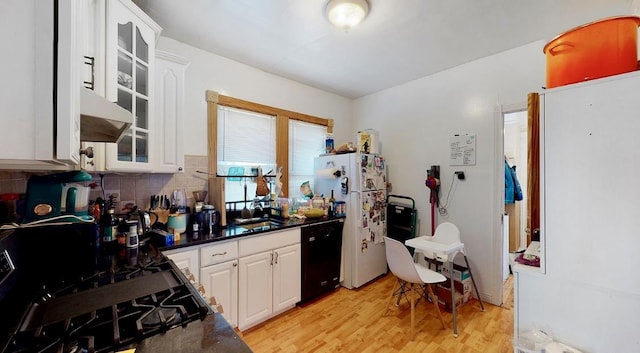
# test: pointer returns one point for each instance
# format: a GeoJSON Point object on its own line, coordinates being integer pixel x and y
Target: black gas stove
{"type": "Point", "coordinates": [103, 301]}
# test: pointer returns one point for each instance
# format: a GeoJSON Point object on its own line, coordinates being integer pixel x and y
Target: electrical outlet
{"type": "Point", "coordinates": [460, 175]}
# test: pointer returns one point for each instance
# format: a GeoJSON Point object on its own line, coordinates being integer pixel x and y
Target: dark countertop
{"type": "Point", "coordinates": [234, 231]}
{"type": "Point", "coordinates": [211, 335]}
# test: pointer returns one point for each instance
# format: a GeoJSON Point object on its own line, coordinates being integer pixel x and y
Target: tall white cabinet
{"type": "Point", "coordinates": [589, 295]}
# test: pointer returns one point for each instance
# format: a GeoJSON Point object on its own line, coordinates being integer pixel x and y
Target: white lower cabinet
{"type": "Point", "coordinates": [256, 289]}
{"type": "Point", "coordinates": [219, 276]}
{"type": "Point", "coordinates": [269, 276]}
{"type": "Point", "coordinates": [251, 279]}
{"type": "Point", "coordinates": [286, 277]}
{"type": "Point", "coordinates": [214, 268]}
{"type": "Point", "coordinates": [187, 261]}
{"type": "Point", "coordinates": [221, 282]}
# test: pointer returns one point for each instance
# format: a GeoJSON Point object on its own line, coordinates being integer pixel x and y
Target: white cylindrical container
{"type": "Point", "coordinates": [132, 234]}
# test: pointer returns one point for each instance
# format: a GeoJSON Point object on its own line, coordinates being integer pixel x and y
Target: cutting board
{"type": "Point", "coordinates": [216, 197]}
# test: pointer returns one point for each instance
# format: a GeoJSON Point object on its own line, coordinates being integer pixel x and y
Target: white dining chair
{"type": "Point", "coordinates": [415, 275]}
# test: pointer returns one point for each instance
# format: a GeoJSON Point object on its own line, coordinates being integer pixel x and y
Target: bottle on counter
{"type": "Point", "coordinates": [109, 228]}
{"type": "Point", "coordinates": [332, 205]}
{"type": "Point", "coordinates": [325, 206]}
{"type": "Point", "coordinates": [121, 238]}
{"type": "Point", "coordinates": [194, 225]}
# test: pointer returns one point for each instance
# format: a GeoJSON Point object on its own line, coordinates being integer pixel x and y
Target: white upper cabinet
{"type": "Point", "coordinates": [129, 73]}
{"type": "Point", "coordinates": [146, 82]}
{"type": "Point", "coordinates": [36, 132]}
{"type": "Point", "coordinates": [106, 46]}
{"type": "Point", "coordinates": [168, 112]}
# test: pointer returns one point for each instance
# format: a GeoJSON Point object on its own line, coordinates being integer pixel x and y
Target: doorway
{"type": "Point", "coordinates": [515, 150]}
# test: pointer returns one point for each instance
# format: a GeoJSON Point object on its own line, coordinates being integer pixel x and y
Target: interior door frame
{"type": "Point", "coordinates": [498, 185]}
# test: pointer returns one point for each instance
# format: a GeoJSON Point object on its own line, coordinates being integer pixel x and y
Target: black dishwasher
{"type": "Point", "coordinates": [321, 254]}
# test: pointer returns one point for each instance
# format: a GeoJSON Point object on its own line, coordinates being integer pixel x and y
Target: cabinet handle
{"type": "Point", "coordinates": [219, 253]}
{"type": "Point", "coordinates": [276, 257]}
{"type": "Point", "coordinates": [235, 264]}
{"type": "Point", "coordinates": [90, 61]}
{"type": "Point", "coordinates": [271, 259]}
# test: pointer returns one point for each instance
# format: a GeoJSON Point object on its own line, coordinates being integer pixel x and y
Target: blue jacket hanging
{"type": "Point", "coordinates": [512, 190]}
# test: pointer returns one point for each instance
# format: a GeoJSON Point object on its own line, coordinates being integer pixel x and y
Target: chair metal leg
{"type": "Point", "coordinates": [413, 305]}
{"type": "Point", "coordinates": [401, 292]}
{"type": "Point", "coordinates": [453, 299]}
{"type": "Point", "coordinates": [473, 281]}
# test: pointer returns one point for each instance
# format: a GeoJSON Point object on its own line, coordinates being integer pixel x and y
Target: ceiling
{"type": "Point", "coordinates": [399, 41]}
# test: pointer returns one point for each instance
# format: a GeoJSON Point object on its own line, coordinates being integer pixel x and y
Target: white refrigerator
{"type": "Point", "coordinates": [360, 180]}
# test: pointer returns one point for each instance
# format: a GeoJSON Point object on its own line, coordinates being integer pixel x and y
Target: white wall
{"type": "Point", "coordinates": [208, 71]}
{"type": "Point", "coordinates": [416, 121]}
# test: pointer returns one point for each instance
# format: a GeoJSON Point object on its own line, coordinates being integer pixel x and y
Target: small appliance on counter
{"type": "Point", "coordinates": [210, 219]}
{"type": "Point", "coordinates": [199, 197]}
{"type": "Point", "coordinates": [54, 195]}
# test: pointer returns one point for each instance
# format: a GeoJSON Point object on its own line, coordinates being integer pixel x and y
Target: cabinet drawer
{"type": "Point", "coordinates": [268, 241]}
{"type": "Point", "coordinates": [215, 254]}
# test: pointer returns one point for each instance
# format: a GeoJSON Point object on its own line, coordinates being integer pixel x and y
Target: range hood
{"type": "Point", "coordinates": [100, 119]}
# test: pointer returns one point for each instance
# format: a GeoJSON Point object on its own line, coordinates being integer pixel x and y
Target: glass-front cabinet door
{"type": "Point", "coordinates": [130, 57]}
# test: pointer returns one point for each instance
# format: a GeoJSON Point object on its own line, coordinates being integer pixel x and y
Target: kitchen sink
{"type": "Point", "coordinates": [241, 221]}
{"type": "Point", "coordinates": [257, 224]}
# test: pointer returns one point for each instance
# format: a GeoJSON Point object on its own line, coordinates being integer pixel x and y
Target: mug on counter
{"type": "Point", "coordinates": [177, 222]}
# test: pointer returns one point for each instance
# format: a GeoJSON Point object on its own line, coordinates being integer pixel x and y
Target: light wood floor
{"type": "Point", "coordinates": [352, 321]}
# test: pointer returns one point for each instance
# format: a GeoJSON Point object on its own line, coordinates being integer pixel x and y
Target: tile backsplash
{"type": "Point", "coordinates": [131, 187]}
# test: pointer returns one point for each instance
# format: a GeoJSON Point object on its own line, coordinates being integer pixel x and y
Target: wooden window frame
{"type": "Point", "coordinates": [214, 100]}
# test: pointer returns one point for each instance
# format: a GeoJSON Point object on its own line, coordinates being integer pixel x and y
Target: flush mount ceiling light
{"type": "Point", "coordinates": [346, 13]}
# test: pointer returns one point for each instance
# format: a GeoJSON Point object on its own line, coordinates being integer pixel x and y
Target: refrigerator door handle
{"type": "Point", "coordinates": [345, 185]}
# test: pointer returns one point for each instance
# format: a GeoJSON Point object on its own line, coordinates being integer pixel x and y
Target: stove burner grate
{"type": "Point", "coordinates": [101, 318]}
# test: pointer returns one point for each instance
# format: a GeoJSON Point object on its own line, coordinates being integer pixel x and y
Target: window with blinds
{"type": "Point", "coordinates": [245, 140]}
{"type": "Point", "coordinates": [306, 141]}
{"type": "Point", "coordinates": [248, 134]}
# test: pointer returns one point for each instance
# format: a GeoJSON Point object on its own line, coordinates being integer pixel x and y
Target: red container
{"type": "Point", "coordinates": [598, 49]}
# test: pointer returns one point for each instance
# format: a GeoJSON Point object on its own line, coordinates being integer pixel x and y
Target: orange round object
{"type": "Point", "coordinates": [598, 49]}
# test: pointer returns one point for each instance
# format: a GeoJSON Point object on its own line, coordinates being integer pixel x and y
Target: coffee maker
{"type": "Point", "coordinates": [210, 219]}
{"type": "Point", "coordinates": [205, 217]}
{"type": "Point", "coordinates": [199, 197]}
